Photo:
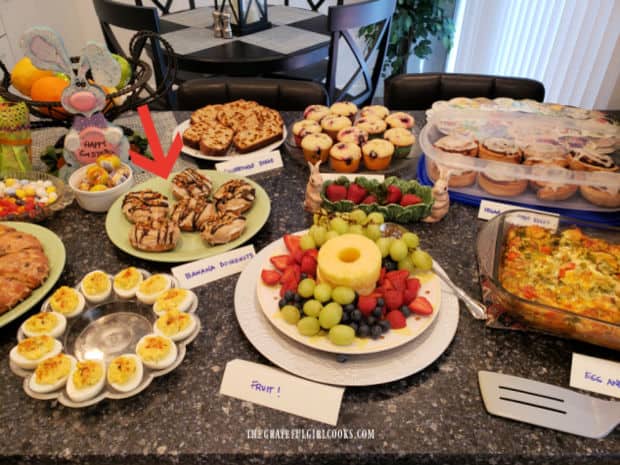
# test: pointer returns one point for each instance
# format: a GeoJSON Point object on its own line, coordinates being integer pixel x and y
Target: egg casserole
{"type": "Point", "coordinates": [567, 270]}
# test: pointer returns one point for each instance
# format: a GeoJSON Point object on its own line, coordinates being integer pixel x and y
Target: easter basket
{"type": "Point", "coordinates": [138, 91]}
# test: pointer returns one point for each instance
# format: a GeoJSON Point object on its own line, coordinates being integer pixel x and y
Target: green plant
{"type": "Point", "coordinates": [413, 24]}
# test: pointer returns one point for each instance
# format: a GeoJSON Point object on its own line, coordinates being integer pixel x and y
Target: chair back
{"type": "Point", "coordinates": [419, 91]}
{"type": "Point", "coordinates": [164, 6]}
{"type": "Point", "coordinates": [342, 19]}
{"type": "Point", "coordinates": [133, 18]}
{"type": "Point", "coordinates": [279, 94]}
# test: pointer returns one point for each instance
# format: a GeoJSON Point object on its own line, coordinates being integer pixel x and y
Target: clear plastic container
{"type": "Point", "coordinates": [528, 131]}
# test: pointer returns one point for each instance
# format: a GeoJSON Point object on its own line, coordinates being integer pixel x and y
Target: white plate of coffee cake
{"type": "Point", "coordinates": [225, 131]}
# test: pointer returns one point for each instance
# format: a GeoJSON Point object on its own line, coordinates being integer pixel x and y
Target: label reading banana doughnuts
{"type": "Point", "coordinates": [252, 164]}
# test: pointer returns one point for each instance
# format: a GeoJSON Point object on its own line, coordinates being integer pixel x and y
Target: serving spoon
{"type": "Point", "coordinates": [476, 308]}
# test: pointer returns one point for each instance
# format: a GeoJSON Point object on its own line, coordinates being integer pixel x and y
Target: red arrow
{"type": "Point", "coordinates": [162, 164]}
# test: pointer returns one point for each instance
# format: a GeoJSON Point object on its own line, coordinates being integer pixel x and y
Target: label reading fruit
{"type": "Point", "coordinates": [210, 269]}
{"type": "Point", "coordinates": [351, 177]}
{"type": "Point", "coordinates": [278, 390]}
{"type": "Point", "coordinates": [93, 144]}
{"type": "Point", "coordinates": [252, 164]}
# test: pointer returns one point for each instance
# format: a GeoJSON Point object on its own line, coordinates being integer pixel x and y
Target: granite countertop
{"type": "Point", "coordinates": [433, 417]}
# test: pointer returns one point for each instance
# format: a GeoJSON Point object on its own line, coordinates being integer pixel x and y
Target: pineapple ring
{"type": "Point", "coordinates": [350, 260]}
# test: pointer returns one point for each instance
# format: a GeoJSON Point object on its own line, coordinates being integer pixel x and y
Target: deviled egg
{"type": "Point", "coordinates": [86, 380]}
{"type": "Point", "coordinates": [126, 282]}
{"type": "Point", "coordinates": [175, 324]}
{"type": "Point", "coordinates": [152, 287]}
{"type": "Point", "coordinates": [125, 372]}
{"type": "Point", "coordinates": [52, 373]}
{"type": "Point", "coordinates": [96, 286]}
{"type": "Point", "coordinates": [28, 353]}
{"type": "Point", "coordinates": [45, 323]}
{"type": "Point", "coordinates": [67, 301]}
{"type": "Point", "coordinates": [156, 352]}
{"type": "Point", "coordinates": [173, 299]}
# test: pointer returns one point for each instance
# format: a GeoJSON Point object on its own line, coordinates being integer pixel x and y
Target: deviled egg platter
{"type": "Point", "coordinates": [108, 337]}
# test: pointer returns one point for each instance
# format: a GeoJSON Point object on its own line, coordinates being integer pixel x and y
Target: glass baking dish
{"type": "Point", "coordinates": [507, 310]}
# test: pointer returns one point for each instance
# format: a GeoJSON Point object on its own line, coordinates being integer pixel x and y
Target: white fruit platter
{"type": "Point", "coordinates": [84, 347]}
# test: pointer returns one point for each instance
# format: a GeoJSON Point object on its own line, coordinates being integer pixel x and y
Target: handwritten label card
{"type": "Point", "coordinates": [595, 374]}
{"type": "Point", "coordinates": [489, 210]}
{"type": "Point", "coordinates": [278, 390]}
{"type": "Point", "coordinates": [251, 164]}
{"type": "Point", "coordinates": [204, 271]}
{"type": "Point", "coordinates": [351, 177]}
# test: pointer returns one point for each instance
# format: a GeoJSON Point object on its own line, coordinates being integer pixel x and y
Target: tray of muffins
{"type": "Point", "coordinates": [540, 160]}
{"type": "Point", "coordinates": [346, 139]}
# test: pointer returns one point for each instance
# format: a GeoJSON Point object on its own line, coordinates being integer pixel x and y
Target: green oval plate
{"type": "Point", "coordinates": [191, 246]}
{"type": "Point", "coordinates": [55, 251]}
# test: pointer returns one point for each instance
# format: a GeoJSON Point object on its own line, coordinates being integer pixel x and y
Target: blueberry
{"type": "Point", "coordinates": [340, 358]}
{"type": "Point", "coordinates": [363, 330]}
{"type": "Point", "coordinates": [385, 325]}
{"type": "Point", "coordinates": [356, 315]}
{"type": "Point", "coordinates": [303, 276]}
{"type": "Point", "coordinates": [405, 311]}
{"type": "Point", "coordinates": [345, 318]}
{"type": "Point", "coordinates": [380, 302]}
{"type": "Point", "coordinates": [282, 303]}
{"type": "Point", "coordinates": [349, 308]}
{"type": "Point", "coordinates": [377, 312]}
{"type": "Point", "coordinates": [376, 331]}
{"type": "Point", "coordinates": [289, 295]}
{"type": "Point", "coordinates": [371, 320]}
{"type": "Point", "coordinates": [19, 202]}
{"type": "Point", "coordinates": [297, 298]}
{"type": "Point", "coordinates": [354, 326]}
{"type": "Point", "coordinates": [391, 265]}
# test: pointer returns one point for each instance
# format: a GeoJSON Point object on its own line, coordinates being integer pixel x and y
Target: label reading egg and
{"type": "Point", "coordinates": [351, 177]}
{"type": "Point", "coordinates": [595, 375]}
{"type": "Point", "coordinates": [278, 390]}
{"type": "Point", "coordinates": [204, 271]}
{"type": "Point", "coordinates": [527, 217]}
{"type": "Point", "coordinates": [251, 164]}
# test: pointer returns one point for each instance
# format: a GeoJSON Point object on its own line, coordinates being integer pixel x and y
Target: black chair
{"type": "Point", "coordinates": [419, 91]}
{"type": "Point", "coordinates": [280, 94]}
{"type": "Point", "coordinates": [164, 6]}
{"type": "Point", "coordinates": [315, 5]}
{"type": "Point", "coordinates": [133, 18]}
{"type": "Point", "coordinates": [340, 21]}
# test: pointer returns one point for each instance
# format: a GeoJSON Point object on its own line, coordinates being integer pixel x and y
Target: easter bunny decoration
{"type": "Point", "coordinates": [440, 195]}
{"type": "Point", "coordinates": [91, 134]}
{"type": "Point", "coordinates": [312, 202]}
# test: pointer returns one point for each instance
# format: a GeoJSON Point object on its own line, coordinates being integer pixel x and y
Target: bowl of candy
{"type": "Point", "coordinates": [31, 195]}
{"type": "Point", "coordinates": [98, 185]}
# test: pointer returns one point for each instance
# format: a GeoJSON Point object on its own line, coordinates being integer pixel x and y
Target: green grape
{"type": "Point", "coordinates": [422, 260]}
{"type": "Point", "coordinates": [359, 216]}
{"type": "Point", "coordinates": [307, 242]}
{"type": "Point", "coordinates": [398, 250]}
{"type": "Point", "coordinates": [308, 326]}
{"type": "Point", "coordinates": [339, 225]}
{"type": "Point", "coordinates": [330, 235]}
{"type": "Point", "coordinates": [316, 219]}
{"type": "Point", "coordinates": [330, 315]}
{"type": "Point", "coordinates": [319, 233]}
{"type": "Point", "coordinates": [406, 264]}
{"type": "Point", "coordinates": [343, 295]}
{"type": "Point", "coordinates": [356, 229]}
{"type": "Point", "coordinates": [313, 307]}
{"type": "Point", "coordinates": [384, 245]}
{"type": "Point", "coordinates": [375, 217]}
{"type": "Point", "coordinates": [411, 239]}
{"type": "Point", "coordinates": [305, 288]}
{"type": "Point", "coordinates": [322, 292]}
{"type": "Point", "coordinates": [290, 314]}
{"type": "Point", "coordinates": [341, 335]}
{"type": "Point", "coordinates": [373, 231]}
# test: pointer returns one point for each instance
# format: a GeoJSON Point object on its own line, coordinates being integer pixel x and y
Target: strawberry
{"type": "Point", "coordinates": [281, 262]}
{"type": "Point", "coordinates": [393, 298]}
{"type": "Point", "coordinates": [421, 306]}
{"type": "Point", "coordinates": [397, 319]}
{"type": "Point", "coordinates": [291, 241]}
{"type": "Point", "coordinates": [291, 274]}
{"type": "Point", "coordinates": [369, 199]}
{"type": "Point", "coordinates": [270, 277]}
{"type": "Point", "coordinates": [398, 278]}
{"type": "Point", "coordinates": [366, 304]}
{"type": "Point", "coordinates": [413, 284]}
{"type": "Point", "coordinates": [382, 276]}
{"type": "Point", "coordinates": [298, 255]}
{"type": "Point", "coordinates": [409, 296]}
{"type": "Point", "coordinates": [312, 252]}
{"type": "Point", "coordinates": [308, 265]}
{"type": "Point", "coordinates": [335, 192]}
{"type": "Point", "coordinates": [289, 286]}
{"type": "Point", "coordinates": [356, 193]}
{"type": "Point", "coordinates": [394, 194]}
{"type": "Point", "coordinates": [410, 199]}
